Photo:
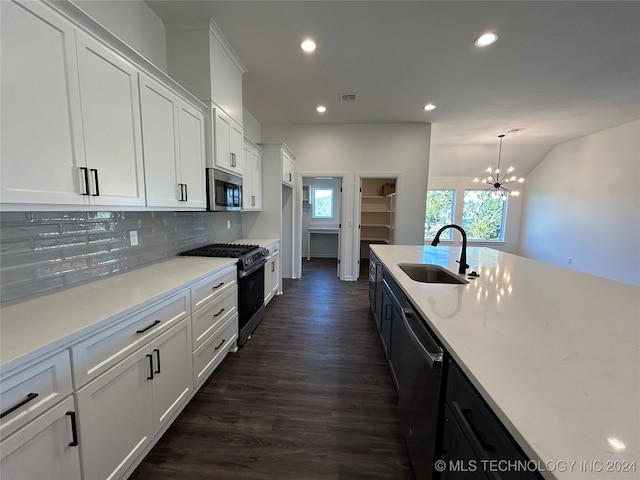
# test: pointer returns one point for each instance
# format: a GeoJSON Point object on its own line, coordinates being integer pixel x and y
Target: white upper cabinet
{"type": "Point", "coordinates": [173, 140]}
{"type": "Point", "coordinates": [41, 151]}
{"type": "Point", "coordinates": [71, 118]}
{"type": "Point", "coordinates": [288, 168]}
{"type": "Point", "coordinates": [228, 143]}
{"type": "Point", "coordinates": [111, 125]}
{"type": "Point", "coordinates": [252, 178]}
{"type": "Point", "coordinates": [192, 155]}
{"type": "Point", "coordinates": [201, 59]}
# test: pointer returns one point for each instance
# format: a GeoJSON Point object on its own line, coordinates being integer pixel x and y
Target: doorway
{"type": "Point", "coordinates": [377, 214]}
{"type": "Point", "coordinates": [321, 223]}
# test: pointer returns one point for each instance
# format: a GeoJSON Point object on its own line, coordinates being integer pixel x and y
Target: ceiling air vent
{"type": "Point", "coordinates": [347, 97]}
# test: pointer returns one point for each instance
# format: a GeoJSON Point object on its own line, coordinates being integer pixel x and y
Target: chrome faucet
{"type": "Point", "coordinates": [463, 254]}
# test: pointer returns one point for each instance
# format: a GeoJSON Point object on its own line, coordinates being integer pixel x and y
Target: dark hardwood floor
{"type": "Point", "coordinates": [309, 396]}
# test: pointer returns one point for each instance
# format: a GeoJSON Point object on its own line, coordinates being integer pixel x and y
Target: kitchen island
{"type": "Point", "coordinates": [553, 352]}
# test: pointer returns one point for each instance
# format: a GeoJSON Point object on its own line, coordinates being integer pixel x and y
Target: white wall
{"type": "Point", "coordinates": [396, 150]}
{"type": "Point", "coordinates": [583, 203]}
{"type": "Point", "coordinates": [133, 22]}
{"type": "Point", "coordinates": [514, 211]}
{"type": "Point", "coordinates": [252, 128]}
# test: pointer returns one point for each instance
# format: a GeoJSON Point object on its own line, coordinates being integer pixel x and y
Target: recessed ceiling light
{"type": "Point", "coordinates": [321, 109]}
{"type": "Point", "coordinates": [486, 39]}
{"type": "Point", "coordinates": [429, 106]}
{"type": "Point", "coordinates": [308, 45]}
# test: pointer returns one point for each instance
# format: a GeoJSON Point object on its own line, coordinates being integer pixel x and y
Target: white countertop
{"type": "Point", "coordinates": [554, 352]}
{"type": "Point", "coordinates": [31, 327]}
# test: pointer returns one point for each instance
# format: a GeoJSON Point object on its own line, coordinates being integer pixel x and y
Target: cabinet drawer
{"type": "Point", "coordinates": [210, 288]}
{"type": "Point", "coordinates": [100, 352]}
{"type": "Point", "coordinates": [209, 355]}
{"type": "Point", "coordinates": [481, 428]}
{"type": "Point", "coordinates": [26, 393]}
{"type": "Point", "coordinates": [210, 317]}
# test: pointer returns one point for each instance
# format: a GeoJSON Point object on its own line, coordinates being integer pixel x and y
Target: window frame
{"type": "Point", "coordinates": [503, 219]}
{"type": "Point", "coordinates": [313, 203]}
{"type": "Point", "coordinates": [448, 235]}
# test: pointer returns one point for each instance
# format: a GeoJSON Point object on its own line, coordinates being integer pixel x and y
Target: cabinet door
{"type": "Point", "coordinates": [287, 169]}
{"type": "Point", "coordinates": [252, 179]}
{"type": "Point", "coordinates": [268, 280]}
{"type": "Point", "coordinates": [222, 136]}
{"type": "Point", "coordinates": [192, 156]}
{"type": "Point", "coordinates": [115, 421]}
{"type": "Point", "coordinates": [111, 124]}
{"type": "Point", "coordinates": [236, 147]}
{"type": "Point", "coordinates": [42, 448]}
{"type": "Point", "coordinates": [229, 143]}
{"type": "Point", "coordinates": [159, 109]}
{"type": "Point", "coordinates": [172, 373]}
{"type": "Point", "coordinates": [275, 272]}
{"type": "Point", "coordinates": [40, 146]}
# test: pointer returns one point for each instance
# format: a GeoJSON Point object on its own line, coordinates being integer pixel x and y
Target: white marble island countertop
{"type": "Point", "coordinates": [554, 352]}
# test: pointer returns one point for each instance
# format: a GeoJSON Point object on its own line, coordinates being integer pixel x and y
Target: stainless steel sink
{"type": "Point", "coordinates": [428, 273]}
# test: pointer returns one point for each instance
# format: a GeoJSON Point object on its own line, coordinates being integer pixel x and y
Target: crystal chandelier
{"type": "Point", "coordinates": [497, 181]}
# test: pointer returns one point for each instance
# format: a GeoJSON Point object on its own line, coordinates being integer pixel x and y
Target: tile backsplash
{"type": "Point", "coordinates": [43, 251]}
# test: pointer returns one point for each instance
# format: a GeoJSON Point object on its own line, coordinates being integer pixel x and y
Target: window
{"type": "Point", "coordinates": [323, 203]}
{"type": "Point", "coordinates": [483, 216]}
{"type": "Point", "coordinates": [440, 212]}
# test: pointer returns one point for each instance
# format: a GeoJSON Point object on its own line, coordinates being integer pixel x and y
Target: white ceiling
{"type": "Point", "coordinates": [560, 69]}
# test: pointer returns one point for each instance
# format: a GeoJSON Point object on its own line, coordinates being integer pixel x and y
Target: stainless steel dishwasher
{"type": "Point", "coordinates": [416, 360]}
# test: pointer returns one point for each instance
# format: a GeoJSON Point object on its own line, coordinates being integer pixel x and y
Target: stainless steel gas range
{"type": "Point", "coordinates": [251, 261]}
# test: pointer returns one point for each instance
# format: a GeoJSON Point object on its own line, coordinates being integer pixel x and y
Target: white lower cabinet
{"type": "Point", "coordinates": [116, 421]}
{"type": "Point", "coordinates": [172, 372]}
{"type": "Point", "coordinates": [123, 409]}
{"type": "Point", "coordinates": [272, 272]}
{"type": "Point", "coordinates": [44, 448]}
{"type": "Point", "coordinates": [131, 378]}
{"type": "Point", "coordinates": [209, 355]}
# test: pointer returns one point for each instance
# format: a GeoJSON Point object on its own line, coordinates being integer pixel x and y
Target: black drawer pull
{"type": "Point", "coordinates": [221, 343]}
{"type": "Point", "coordinates": [74, 430]}
{"type": "Point", "coordinates": [217, 286]}
{"type": "Point", "coordinates": [147, 328]}
{"type": "Point", "coordinates": [157, 352]}
{"type": "Point", "coordinates": [150, 357]}
{"type": "Point", "coordinates": [30, 396]}
{"type": "Point", "coordinates": [218, 314]}
{"type": "Point", "coordinates": [466, 413]}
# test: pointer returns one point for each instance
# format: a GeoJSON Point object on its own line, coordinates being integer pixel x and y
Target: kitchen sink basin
{"type": "Point", "coordinates": [428, 273]}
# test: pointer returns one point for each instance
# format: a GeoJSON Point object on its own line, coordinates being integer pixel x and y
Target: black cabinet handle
{"type": "Point", "coordinates": [221, 343]}
{"type": "Point", "coordinates": [218, 314]}
{"type": "Point", "coordinates": [30, 396]}
{"type": "Point", "coordinates": [466, 414]}
{"type": "Point", "coordinates": [74, 430]}
{"type": "Point", "coordinates": [157, 352]}
{"type": "Point", "coordinates": [85, 178]}
{"type": "Point", "coordinates": [150, 357]}
{"type": "Point", "coordinates": [217, 286]}
{"type": "Point", "coordinates": [273, 266]}
{"type": "Point", "coordinates": [186, 192]}
{"type": "Point", "coordinates": [96, 181]}
{"type": "Point", "coordinates": [147, 328]}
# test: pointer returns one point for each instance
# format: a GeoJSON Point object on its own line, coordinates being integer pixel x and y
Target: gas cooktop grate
{"type": "Point", "coordinates": [232, 250]}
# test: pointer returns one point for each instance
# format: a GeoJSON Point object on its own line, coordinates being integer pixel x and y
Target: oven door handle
{"type": "Point", "coordinates": [256, 266]}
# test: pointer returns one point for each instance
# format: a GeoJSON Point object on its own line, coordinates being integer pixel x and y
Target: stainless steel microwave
{"type": "Point", "coordinates": [224, 191]}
